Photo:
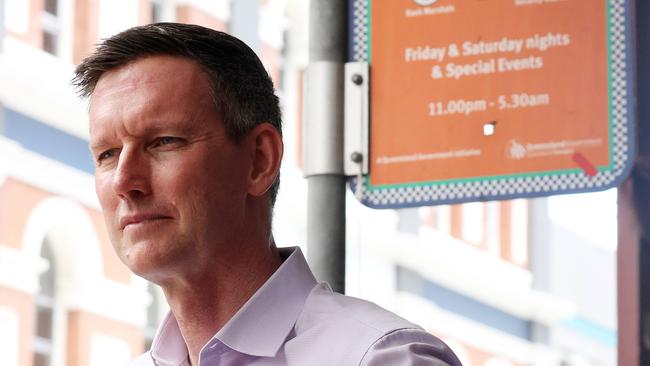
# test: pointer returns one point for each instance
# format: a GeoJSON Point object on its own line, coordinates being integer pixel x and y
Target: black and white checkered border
{"type": "Point", "coordinates": [527, 186]}
{"type": "Point", "coordinates": [360, 30]}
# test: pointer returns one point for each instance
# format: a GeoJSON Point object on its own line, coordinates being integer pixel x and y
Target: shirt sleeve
{"type": "Point", "coordinates": [409, 347]}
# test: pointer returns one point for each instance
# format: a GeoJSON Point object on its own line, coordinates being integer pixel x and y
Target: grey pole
{"type": "Point", "coordinates": [323, 142]}
{"type": "Point", "coordinates": [538, 239]}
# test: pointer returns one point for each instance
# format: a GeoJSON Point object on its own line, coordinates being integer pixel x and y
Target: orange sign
{"type": "Point", "coordinates": [462, 89]}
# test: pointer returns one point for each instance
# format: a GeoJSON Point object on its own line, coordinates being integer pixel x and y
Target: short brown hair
{"type": "Point", "coordinates": [242, 90]}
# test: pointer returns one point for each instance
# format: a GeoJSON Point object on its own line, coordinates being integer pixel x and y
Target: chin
{"type": "Point", "coordinates": [140, 259]}
{"type": "Point", "coordinates": [151, 260]}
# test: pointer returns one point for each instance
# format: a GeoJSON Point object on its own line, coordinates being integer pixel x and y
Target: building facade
{"type": "Point", "coordinates": [502, 282]}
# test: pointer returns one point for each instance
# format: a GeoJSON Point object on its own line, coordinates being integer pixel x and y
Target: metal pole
{"type": "Point", "coordinates": [539, 261]}
{"type": "Point", "coordinates": [323, 142]}
{"type": "Point", "coordinates": [634, 218]}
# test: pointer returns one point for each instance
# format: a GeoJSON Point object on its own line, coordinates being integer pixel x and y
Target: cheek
{"type": "Point", "coordinates": [202, 189]}
{"type": "Point", "coordinates": [105, 194]}
{"type": "Point", "coordinates": [206, 199]}
{"type": "Point", "coordinates": [108, 203]}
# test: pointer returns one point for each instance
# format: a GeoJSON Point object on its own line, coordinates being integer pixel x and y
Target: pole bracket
{"type": "Point", "coordinates": [323, 134]}
{"type": "Point", "coordinates": [356, 135]}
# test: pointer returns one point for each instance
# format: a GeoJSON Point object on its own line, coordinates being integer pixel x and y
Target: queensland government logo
{"type": "Point", "coordinates": [516, 150]}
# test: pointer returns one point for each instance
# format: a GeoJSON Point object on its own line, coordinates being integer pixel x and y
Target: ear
{"type": "Point", "coordinates": [265, 148]}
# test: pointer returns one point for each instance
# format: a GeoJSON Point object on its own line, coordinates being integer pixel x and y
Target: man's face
{"type": "Point", "coordinates": [171, 184]}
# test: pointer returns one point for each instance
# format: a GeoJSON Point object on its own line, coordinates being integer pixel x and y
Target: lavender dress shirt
{"type": "Point", "coordinates": [294, 320]}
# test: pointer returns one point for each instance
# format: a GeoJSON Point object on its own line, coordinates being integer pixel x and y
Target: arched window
{"type": "Point", "coordinates": [44, 302]}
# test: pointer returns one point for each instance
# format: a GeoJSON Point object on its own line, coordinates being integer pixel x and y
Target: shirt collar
{"type": "Point", "coordinates": [260, 327]}
{"type": "Point", "coordinates": [168, 347]}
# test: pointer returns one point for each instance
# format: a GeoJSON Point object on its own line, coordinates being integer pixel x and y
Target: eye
{"type": "Point", "coordinates": [106, 155]}
{"type": "Point", "coordinates": [164, 140]}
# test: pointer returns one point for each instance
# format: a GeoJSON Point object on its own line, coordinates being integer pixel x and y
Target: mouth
{"type": "Point", "coordinates": [141, 219]}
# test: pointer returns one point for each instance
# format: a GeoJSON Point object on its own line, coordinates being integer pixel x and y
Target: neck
{"type": "Point", "coordinates": [202, 305]}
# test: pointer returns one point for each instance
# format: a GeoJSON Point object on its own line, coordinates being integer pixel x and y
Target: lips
{"type": "Point", "coordinates": [141, 218]}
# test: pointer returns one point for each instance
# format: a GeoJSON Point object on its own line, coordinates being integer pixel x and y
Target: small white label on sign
{"type": "Point", "coordinates": [425, 2]}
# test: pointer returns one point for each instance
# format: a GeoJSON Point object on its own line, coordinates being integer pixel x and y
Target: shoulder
{"type": "Point", "coordinates": [409, 346]}
{"type": "Point", "coordinates": [325, 308]}
{"type": "Point", "coordinates": [365, 332]}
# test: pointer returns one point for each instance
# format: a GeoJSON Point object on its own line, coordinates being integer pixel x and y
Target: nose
{"type": "Point", "coordinates": [131, 176]}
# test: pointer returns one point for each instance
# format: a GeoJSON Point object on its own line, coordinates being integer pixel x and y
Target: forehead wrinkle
{"type": "Point", "coordinates": [139, 121]}
{"type": "Point", "coordinates": [126, 97]}
{"type": "Point", "coordinates": [141, 79]}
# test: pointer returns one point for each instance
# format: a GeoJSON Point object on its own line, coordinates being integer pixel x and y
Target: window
{"type": "Point", "coordinates": [519, 233]}
{"type": "Point", "coordinates": [473, 223]}
{"type": "Point", "coordinates": [499, 228]}
{"type": "Point", "coordinates": [439, 218]}
{"type": "Point", "coordinates": [52, 7]}
{"type": "Point", "coordinates": [50, 26]}
{"type": "Point", "coordinates": [493, 220]}
{"type": "Point", "coordinates": [153, 313]}
{"type": "Point", "coordinates": [44, 302]}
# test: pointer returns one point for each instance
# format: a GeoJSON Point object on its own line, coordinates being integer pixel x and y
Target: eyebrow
{"type": "Point", "coordinates": [160, 126]}
{"type": "Point", "coordinates": [96, 147]}
{"type": "Point", "coordinates": [92, 147]}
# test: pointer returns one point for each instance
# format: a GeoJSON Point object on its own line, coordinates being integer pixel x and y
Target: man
{"type": "Point", "coordinates": [185, 131]}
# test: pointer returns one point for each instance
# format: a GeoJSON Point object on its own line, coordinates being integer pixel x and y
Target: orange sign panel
{"type": "Point", "coordinates": [462, 89]}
